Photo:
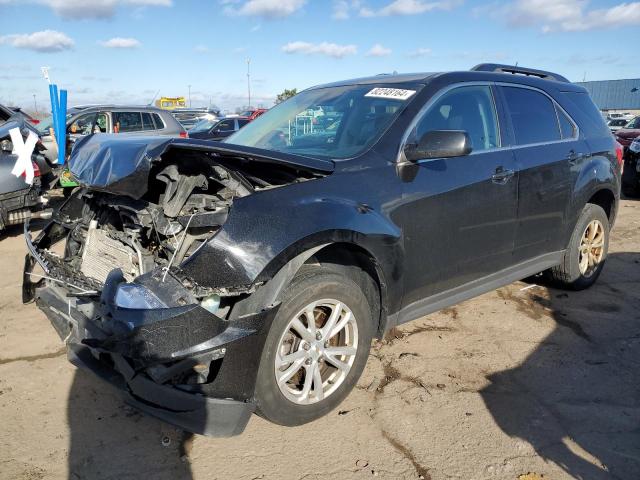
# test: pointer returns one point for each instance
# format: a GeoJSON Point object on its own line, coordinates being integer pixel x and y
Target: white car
{"type": "Point", "coordinates": [617, 123]}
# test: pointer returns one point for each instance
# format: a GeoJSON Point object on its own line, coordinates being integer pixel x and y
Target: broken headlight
{"type": "Point", "coordinates": [137, 297]}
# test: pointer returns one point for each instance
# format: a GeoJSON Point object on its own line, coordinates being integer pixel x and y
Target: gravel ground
{"type": "Point", "coordinates": [526, 382]}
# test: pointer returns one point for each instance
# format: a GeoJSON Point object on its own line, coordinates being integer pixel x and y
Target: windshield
{"type": "Point", "coordinates": [332, 122]}
{"type": "Point", "coordinates": [635, 123]}
{"type": "Point", "coordinates": [203, 125]}
{"type": "Point", "coordinates": [47, 123]}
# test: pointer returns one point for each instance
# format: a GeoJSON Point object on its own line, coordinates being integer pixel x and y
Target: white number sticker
{"type": "Point", "coordinates": [390, 93]}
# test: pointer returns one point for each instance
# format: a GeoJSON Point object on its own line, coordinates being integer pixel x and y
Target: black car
{"type": "Point", "coordinates": [631, 171]}
{"type": "Point", "coordinates": [210, 280]}
{"type": "Point", "coordinates": [217, 129]}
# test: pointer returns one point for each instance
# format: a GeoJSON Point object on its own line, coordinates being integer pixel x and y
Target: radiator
{"type": "Point", "coordinates": [102, 254]}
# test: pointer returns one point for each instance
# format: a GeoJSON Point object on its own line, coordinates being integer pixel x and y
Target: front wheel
{"type": "Point", "coordinates": [585, 256]}
{"type": "Point", "coordinates": [316, 349]}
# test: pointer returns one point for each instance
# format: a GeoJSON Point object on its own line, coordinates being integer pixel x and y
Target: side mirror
{"type": "Point", "coordinates": [439, 144]}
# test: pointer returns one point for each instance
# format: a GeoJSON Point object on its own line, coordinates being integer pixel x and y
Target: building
{"type": "Point", "coordinates": [613, 96]}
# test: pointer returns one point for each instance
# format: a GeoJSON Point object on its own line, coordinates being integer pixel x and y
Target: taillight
{"type": "Point", "coordinates": [619, 155]}
{"type": "Point", "coordinates": [184, 134]}
{"type": "Point", "coordinates": [34, 121]}
{"type": "Point", "coordinates": [36, 171]}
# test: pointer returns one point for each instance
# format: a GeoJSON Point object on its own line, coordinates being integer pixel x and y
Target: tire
{"type": "Point", "coordinates": [315, 283]}
{"type": "Point", "coordinates": [569, 274]}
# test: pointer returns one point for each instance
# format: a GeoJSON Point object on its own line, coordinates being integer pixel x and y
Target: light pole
{"type": "Point", "coordinates": [35, 104]}
{"type": "Point", "coordinates": [249, 81]}
{"type": "Point", "coordinates": [189, 96]}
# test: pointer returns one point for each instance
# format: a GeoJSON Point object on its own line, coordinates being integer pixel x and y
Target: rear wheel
{"type": "Point", "coordinates": [317, 347]}
{"type": "Point", "coordinates": [585, 256]}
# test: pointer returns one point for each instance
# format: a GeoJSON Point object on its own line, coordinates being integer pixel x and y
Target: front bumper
{"type": "Point", "coordinates": [183, 364]}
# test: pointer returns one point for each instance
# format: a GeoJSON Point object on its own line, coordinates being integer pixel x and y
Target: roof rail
{"type": "Point", "coordinates": [516, 70]}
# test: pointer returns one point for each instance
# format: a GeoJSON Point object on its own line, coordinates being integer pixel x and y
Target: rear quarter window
{"type": "Point", "coordinates": [584, 111]}
{"type": "Point", "coordinates": [158, 121]}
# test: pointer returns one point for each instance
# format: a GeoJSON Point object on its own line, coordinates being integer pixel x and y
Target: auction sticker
{"type": "Point", "coordinates": [390, 93]}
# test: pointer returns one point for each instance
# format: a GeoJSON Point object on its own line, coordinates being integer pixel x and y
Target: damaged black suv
{"type": "Point", "coordinates": [211, 280]}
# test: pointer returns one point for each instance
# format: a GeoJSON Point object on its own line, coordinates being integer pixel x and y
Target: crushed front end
{"type": "Point", "coordinates": [106, 272]}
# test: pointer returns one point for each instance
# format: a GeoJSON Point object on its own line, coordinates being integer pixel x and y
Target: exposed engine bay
{"type": "Point", "coordinates": [189, 197]}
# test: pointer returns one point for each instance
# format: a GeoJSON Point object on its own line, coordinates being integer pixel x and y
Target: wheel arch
{"type": "Point", "coordinates": [359, 264]}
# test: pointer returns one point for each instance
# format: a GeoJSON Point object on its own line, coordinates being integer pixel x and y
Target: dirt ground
{"type": "Point", "coordinates": [524, 380]}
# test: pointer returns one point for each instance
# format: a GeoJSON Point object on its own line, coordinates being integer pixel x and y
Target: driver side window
{"type": "Point", "coordinates": [465, 108]}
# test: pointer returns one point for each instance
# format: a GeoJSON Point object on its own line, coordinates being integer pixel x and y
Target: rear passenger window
{"type": "Point", "coordinates": [158, 121]}
{"type": "Point", "coordinates": [465, 108]}
{"type": "Point", "coordinates": [566, 126]}
{"type": "Point", "coordinates": [533, 116]}
{"type": "Point", "coordinates": [127, 121]}
{"type": "Point", "coordinates": [147, 122]}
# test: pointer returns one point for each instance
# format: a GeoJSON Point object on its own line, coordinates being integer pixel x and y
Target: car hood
{"type": "Point", "coordinates": [121, 165]}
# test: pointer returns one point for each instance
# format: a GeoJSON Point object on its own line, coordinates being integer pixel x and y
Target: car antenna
{"type": "Point", "coordinates": [153, 99]}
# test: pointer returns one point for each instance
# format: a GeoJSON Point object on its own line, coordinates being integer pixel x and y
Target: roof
{"type": "Point", "coordinates": [78, 108]}
{"type": "Point", "coordinates": [615, 94]}
{"type": "Point", "coordinates": [463, 76]}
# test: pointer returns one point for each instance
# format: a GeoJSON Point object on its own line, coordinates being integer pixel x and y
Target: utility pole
{"type": "Point", "coordinates": [35, 104]}
{"type": "Point", "coordinates": [189, 96]}
{"type": "Point", "coordinates": [249, 81]}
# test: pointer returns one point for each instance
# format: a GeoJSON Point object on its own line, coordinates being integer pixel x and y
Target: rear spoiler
{"type": "Point", "coordinates": [517, 70]}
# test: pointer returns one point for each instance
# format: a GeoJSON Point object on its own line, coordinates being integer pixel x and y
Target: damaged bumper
{"type": "Point", "coordinates": [179, 363]}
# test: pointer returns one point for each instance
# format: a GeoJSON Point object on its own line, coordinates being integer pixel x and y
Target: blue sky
{"type": "Point", "coordinates": [125, 50]}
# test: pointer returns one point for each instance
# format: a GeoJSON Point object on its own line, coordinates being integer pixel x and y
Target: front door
{"type": "Point", "coordinates": [459, 214]}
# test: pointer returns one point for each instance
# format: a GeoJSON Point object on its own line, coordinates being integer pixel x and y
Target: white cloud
{"type": "Point", "coordinates": [120, 42]}
{"type": "Point", "coordinates": [93, 9]}
{"type": "Point", "coordinates": [201, 49]}
{"type": "Point", "coordinates": [408, 7]}
{"type": "Point", "coordinates": [420, 52]}
{"type": "Point", "coordinates": [342, 8]}
{"type": "Point", "coordinates": [378, 51]}
{"type": "Point", "coordinates": [568, 15]}
{"type": "Point", "coordinates": [329, 49]}
{"type": "Point", "coordinates": [263, 8]}
{"type": "Point", "coordinates": [46, 41]}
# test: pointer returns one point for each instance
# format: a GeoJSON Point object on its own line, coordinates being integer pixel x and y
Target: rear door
{"type": "Point", "coordinates": [459, 214]}
{"type": "Point", "coordinates": [127, 123]}
{"type": "Point", "coordinates": [545, 157]}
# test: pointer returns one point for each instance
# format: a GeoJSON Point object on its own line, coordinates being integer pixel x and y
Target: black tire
{"type": "Point", "coordinates": [313, 282]}
{"type": "Point", "coordinates": [567, 275]}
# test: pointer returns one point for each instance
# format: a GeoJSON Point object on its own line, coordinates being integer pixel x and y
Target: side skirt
{"type": "Point", "coordinates": [475, 288]}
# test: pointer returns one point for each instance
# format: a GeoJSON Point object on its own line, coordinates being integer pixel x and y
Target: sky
{"type": "Point", "coordinates": [125, 51]}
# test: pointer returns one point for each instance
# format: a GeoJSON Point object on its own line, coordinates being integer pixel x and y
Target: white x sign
{"type": "Point", "coordinates": [23, 150]}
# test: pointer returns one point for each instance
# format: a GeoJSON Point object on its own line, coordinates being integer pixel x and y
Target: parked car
{"type": "Point", "coordinates": [616, 124]}
{"type": "Point", "coordinates": [253, 113]}
{"type": "Point", "coordinates": [631, 172]}
{"type": "Point", "coordinates": [19, 200]}
{"type": "Point", "coordinates": [121, 119]}
{"type": "Point", "coordinates": [628, 133]}
{"type": "Point", "coordinates": [217, 129]}
{"type": "Point", "coordinates": [211, 280]}
{"type": "Point", "coordinates": [188, 117]}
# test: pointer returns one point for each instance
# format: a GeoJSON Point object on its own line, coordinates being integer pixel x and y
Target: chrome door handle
{"type": "Point", "coordinates": [502, 175]}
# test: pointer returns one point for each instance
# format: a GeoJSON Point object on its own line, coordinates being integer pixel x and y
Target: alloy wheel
{"type": "Point", "coordinates": [591, 248]}
{"type": "Point", "coordinates": [316, 351]}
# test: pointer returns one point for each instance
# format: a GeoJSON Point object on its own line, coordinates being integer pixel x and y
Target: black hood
{"type": "Point", "coordinates": [121, 165]}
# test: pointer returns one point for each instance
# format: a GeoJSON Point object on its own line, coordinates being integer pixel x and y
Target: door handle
{"type": "Point", "coordinates": [502, 175]}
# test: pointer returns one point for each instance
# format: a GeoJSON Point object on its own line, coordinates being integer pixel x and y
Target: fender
{"type": "Point", "coordinates": [598, 173]}
{"type": "Point", "coordinates": [263, 233]}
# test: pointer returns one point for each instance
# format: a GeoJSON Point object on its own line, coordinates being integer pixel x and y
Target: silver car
{"type": "Point", "coordinates": [115, 119]}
